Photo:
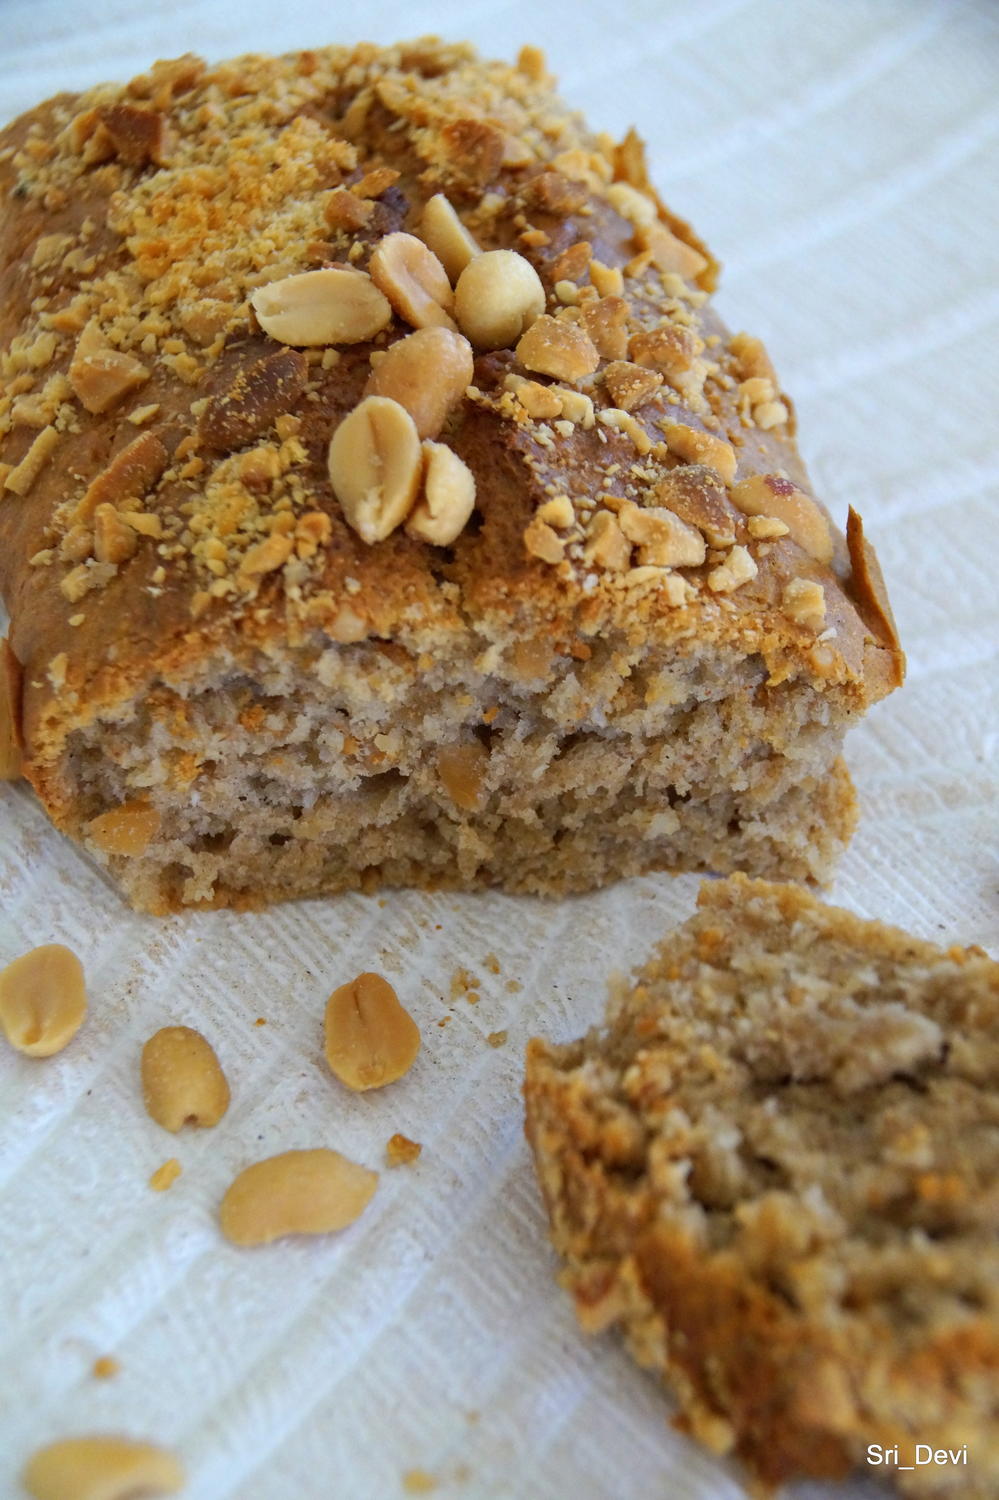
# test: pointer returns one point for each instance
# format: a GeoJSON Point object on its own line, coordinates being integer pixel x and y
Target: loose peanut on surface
{"type": "Point", "coordinates": [499, 295]}
{"type": "Point", "coordinates": [182, 1079]}
{"type": "Point", "coordinates": [448, 498]}
{"type": "Point", "coordinates": [413, 280]}
{"type": "Point", "coordinates": [43, 1000]}
{"type": "Point", "coordinates": [446, 236]}
{"type": "Point", "coordinates": [428, 373]}
{"type": "Point", "coordinates": [297, 1192]}
{"type": "Point", "coordinates": [101, 1468]}
{"type": "Point", "coordinates": [370, 1039]}
{"type": "Point", "coordinates": [375, 466]}
{"type": "Point", "coordinates": [337, 305]}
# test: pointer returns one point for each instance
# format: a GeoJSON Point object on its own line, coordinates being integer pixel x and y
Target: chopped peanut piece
{"type": "Point", "coordinates": [296, 1192]}
{"type": "Point", "coordinates": [413, 280]}
{"type": "Point", "coordinates": [267, 556]}
{"type": "Point", "coordinates": [23, 475]}
{"type": "Point", "coordinates": [401, 1151]}
{"type": "Point", "coordinates": [668, 252]}
{"type": "Point", "coordinates": [670, 350]}
{"type": "Point", "coordinates": [606, 544]}
{"type": "Point", "coordinates": [804, 600]}
{"type": "Point", "coordinates": [662, 538]}
{"type": "Point", "coordinates": [632, 205]}
{"type": "Point", "coordinates": [370, 1039]}
{"type": "Point", "coordinates": [375, 466]}
{"type": "Point", "coordinates": [629, 384]}
{"type": "Point", "coordinates": [428, 373]}
{"type": "Point", "coordinates": [737, 569]}
{"type": "Point", "coordinates": [553, 347]}
{"type": "Point", "coordinates": [539, 401]}
{"type": "Point", "coordinates": [182, 1079]}
{"type": "Point", "coordinates": [336, 305]}
{"type": "Point", "coordinates": [606, 322]}
{"type": "Point", "coordinates": [440, 514]}
{"type": "Point", "coordinates": [772, 495]}
{"type": "Point", "coordinates": [101, 375]}
{"type": "Point", "coordinates": [558, 512]}
{"type": "Point", "coordinates": [462, 770]}
{"type": "Point", "coordinates": [43, 1000]}
{"type": "Point", "coordinates": [623, 421]}
{"type": "Point", "coordinates": [444, 233]}
{"type": "Point", "coordinates": [127, 830]}
{"type": "Point", "coordinates": [346, 210]}
{"type": "Point", "coordinates": [114, 539]}
{"type": "Point", "coordinates": [498, 296]}
{"type": "Point", "coordinates": [697, 447]}
{"type": "Point", "coordinates": [608, 280]}
{"type": "Point", "coordinates": [751, 358]}
{"type": "Point", "coordinates": [166, 1175]}
{"type": "Point", "coordinates": [542, 542]}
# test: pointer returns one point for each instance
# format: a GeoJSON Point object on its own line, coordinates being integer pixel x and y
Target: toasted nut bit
{"type": "Point", "coordinates": [413, 280]}
{"type": "Point", "coordinates": [623, 421]}
{"type": "Point", "coordinates": [663, 539]}
{"type": "Point", "coordinates": [462, 770]}
{"type": "Point", "coordinates": [370, 1039]}
{"type": "Point", "coordinates": [345, 210]}
{"type": "Point", "coordinates": [629, 385]}
{"type": "Point", "coordinates": [126, 830]}
{"type": "Point", "coordinates": [448, 498]}
{"type": "Point", "coordinates": [401, 1151]}
{"type": "Point", "coordinates": [132, 472]}
{"type": "Point", "coordinates": [772, 495]}
{"type": "Point", "coordinates": [444, 233]}
{"type": "Point", "coordinates": [766, 528]}
{"type": "Point", "coordinates": [553, 347]}
{"type": "Point", "coordinates": [336, 305]}
{"type": "Point", "coordinates": [737, 569]}
{"type": "Point", "coordinates": [539, 401]}
{"type": "Point", "coordinates": [606, 322]}
{"type": "Point", "coordinates": [606, 544]}
{"type": "Point", "coordinates": [668, 252]}
{"type": "Point", "coordinates": [182, 1079]}
{"type": "Point", "coordinates": [608, 280]}
{"type": "Point", "coordinates": [165, 1176]}
{"type": "Point", "coordinates": [114, 539]}
{"type": "Point", "coordinates": [267, 556]}
{"type": "Point", "coordinates": [671, 350]}
{"type": "Point", "coordinates": [297, 1192]}
{"type": "Point", "coordinates": [573, 264]}
{"type": "Point", "coordinates": [375, 466]}
{"type": "Point", "coordinates": [498, 296]}
{"type": "Point", "coordinates": [751, 358]}
{"type": "Point", "coordinates": [542, 542]}
{"type": "Point", "coordinates": [804, 600]}
{"type": "Point", "coordinates": [43, 1000]}
{"type": "Point", "coordinates": [631, 204]}
{"type": "Point", "coordinates": [558, 512]}
{"type": "Point", "coordinates": [428, 373]}
{"type": "Point", "coordinates": [10, 713]}
{"type": "Point", "coordinates": [101, 375]}
{"type": "Point", "coordinates": [22, 477]}
{"type": "Point", "coordinates": [697, 447]}
{"type": "Point", "coordinates": [101, 1468]}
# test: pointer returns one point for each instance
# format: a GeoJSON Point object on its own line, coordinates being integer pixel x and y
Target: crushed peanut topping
{"type": "Point", "coordinates": [553, 347]}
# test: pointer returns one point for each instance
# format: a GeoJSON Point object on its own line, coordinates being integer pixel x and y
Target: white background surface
{"type": "Point", "coordinates": [842, 157]}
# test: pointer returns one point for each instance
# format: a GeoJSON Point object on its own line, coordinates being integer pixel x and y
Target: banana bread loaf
{"type": "Point", "coordinates": [777, 1169]}
{"type": "Point", "coordinates": [383, 502]}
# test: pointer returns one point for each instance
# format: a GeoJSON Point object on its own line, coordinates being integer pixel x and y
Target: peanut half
{"type": "Point", "coordinates": [428, 373]}
{"type": "Point", "coordinates": [375, 466]}
{"type": "Point", "coordinates": [413, 280]}
{"type": "Point", "coordinates": [448, 497]}
{"type": "Point", "coordinates": [182, 1079]}
{"type": "Point", "coordinates": [773, 495]}
{"type": "Point", "coordinates": [498, 296]}
{"type": "Point", "coordinates": [297, 1192]}
{"type": "Point", "coordinates": [337, 305]}
{"type": "Point", "coordinates": [370, 1039]}
{"type": "Point", "coordinates": [444, 233]}
{"type": "Point", "coordinates": [43, 1000]}
{"type": "Point", "coordinates": [101, 1468]}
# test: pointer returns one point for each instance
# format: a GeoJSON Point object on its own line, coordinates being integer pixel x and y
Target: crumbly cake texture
{"type": "Point", "coordinates": [777, 1170]}
{"type": "Point", "coordinates": [642, 650]}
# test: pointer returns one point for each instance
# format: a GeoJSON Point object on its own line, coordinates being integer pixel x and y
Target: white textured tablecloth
{"type": "Point", "coordinates": [841, 157]}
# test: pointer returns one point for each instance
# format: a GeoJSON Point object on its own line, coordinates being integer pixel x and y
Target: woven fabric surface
{"type": "Point", "coordinates": [843, 161]}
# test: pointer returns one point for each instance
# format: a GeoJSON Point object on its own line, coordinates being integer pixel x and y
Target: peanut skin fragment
{"type": "Point", "coordinates": [43, 1000]}
{"type": "Point", "coordinates": [296, 1192]}
{"type": "Point", "coordinates": [101, 1468]}
{"type": "Point", "coordinates": [182, 1079]}
{"type": "Point", "coordinates": [370, 1039]}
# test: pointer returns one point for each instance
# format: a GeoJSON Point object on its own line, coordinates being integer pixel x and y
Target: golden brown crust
{"type": "Point", "coordinates": [775, 1169]}
{"type": "Point", "coordinates": [142, 218]}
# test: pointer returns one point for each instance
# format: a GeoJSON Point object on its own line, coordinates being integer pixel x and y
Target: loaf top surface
{"type": "Point", "coordinates": [164, 460]}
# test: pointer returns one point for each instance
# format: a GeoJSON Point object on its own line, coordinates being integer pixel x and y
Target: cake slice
{"type": "Point", "coordinates": [384, 502]}
{"type": "Point", "coordinates": [776, 1169]}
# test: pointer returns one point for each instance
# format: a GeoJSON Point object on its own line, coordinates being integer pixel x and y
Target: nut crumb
{"type": "Point", "coordinates": [165, 1176]}
{"type": "Point", "coordinates": [401, 1151]}
{"type": "Point", "coordinates": [497, 1038]}
{"type": "Point", "coordinates": [105, 1367]}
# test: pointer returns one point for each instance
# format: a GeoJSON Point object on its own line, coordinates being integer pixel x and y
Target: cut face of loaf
{"type": "Point", "coordinates": [340, 766]}
{"type": "Point", "coordinates": [776, 1169]}
{"type": "Point", "coordinates": [385, 503]}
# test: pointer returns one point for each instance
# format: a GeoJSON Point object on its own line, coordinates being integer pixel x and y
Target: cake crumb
{"type": "Point", "coordinates": [492, 963]}
{"type": "Point", "coordinates": [105, 1367]}
{"type": "Point", "coordinates": [401, 1151]}
{"type": "Point", "coordinates": [497, 1038]}
{"type": "Point", "coordinates": [465, 984]}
